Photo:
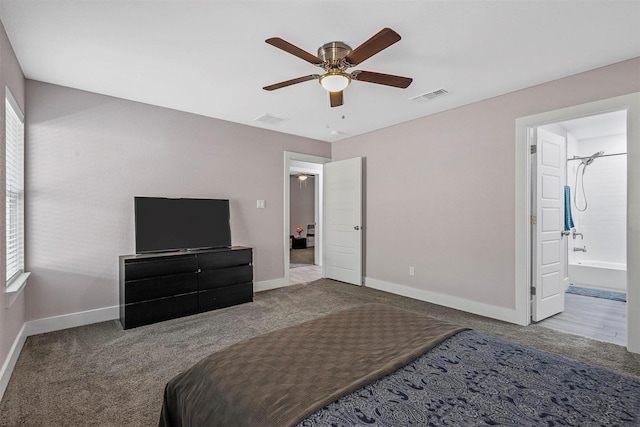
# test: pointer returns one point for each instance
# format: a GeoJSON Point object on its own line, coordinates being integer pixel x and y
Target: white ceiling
{"type": "Point", "coordinates": [599, 125]}
{"type": "Point", "coordinates": [210, 58]}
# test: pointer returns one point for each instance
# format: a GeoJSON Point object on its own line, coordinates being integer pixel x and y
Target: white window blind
{"type": "Point", "coordinates": [14, 188]}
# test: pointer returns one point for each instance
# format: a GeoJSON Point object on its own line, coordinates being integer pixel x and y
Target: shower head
{"type": "Point", "coordinates": [590, 160]}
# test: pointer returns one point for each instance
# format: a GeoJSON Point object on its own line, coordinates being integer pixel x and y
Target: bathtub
{"type": "Point", "coordinates": [609, 276]}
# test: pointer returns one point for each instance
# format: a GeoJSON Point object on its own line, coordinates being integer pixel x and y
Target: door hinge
{"type": "Point", "coordinates": [533, 290]}
{"type": "Point", "coordinates": [534, 220]}
{"type": "Point", "coordinates": [534, 149]}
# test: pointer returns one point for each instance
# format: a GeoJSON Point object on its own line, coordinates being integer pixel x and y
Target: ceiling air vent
{"type": "Point", "coordinates": [430, 95]}
{"type": "Point", "coordinates": [270, 120]}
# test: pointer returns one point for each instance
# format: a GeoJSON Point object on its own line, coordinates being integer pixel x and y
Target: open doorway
{"type": "Point", "coordinates": [303, 219]}
{"type": "Point", "coordinates": [524, 135]}
{"type": "Point", "coordinates": [305, 263]}
{"type": "Point", "coordinates": [303, 225]}
{"type": "Point", "coordinates": [595, 225]}
{"type": "Point", "coordinates": [339, 227]}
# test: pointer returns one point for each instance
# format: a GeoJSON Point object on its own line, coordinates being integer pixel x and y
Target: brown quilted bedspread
{"type": "Point", "coordinates": [282, 377]}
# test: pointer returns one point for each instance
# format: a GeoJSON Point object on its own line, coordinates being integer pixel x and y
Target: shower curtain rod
{"type": "Point", "coordinates": [603, 155]}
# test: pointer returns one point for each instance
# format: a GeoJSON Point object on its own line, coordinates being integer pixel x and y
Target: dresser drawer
{"type": "Point", "coordinates": [161, 266]}
{"type": "Point", "coordinates": [225, 297]}
{"type": "Point", "coordinates": [210, 279]}
{"type": "Point", "coordinates": [143, 313]}
{"type": "Point", "coordinates": [159, 287]}
{"type": "Point", "coordinates": [223, 259]}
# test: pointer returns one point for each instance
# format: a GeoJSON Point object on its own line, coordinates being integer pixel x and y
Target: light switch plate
{"type": "Point", "coordinates": [260, 204]}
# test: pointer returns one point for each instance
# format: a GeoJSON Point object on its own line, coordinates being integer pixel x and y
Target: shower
{"type": "Point", "coordinates": [585, 161]}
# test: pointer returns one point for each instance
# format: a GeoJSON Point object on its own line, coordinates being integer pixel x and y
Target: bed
{"type": "Point", "coordinates": [379, 365]}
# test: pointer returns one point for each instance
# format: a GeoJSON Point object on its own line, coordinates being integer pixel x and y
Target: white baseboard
{"type": "Point", "coordinates": [10, 361]}
{"type": "Point", "coordinates": [50, 324]}
{"type": "Point", "coordinates": [482, 309]}
{"type": "Point", "coordinates": [66, 321]}
{"type": "Point", "coordinates": [266, 285]}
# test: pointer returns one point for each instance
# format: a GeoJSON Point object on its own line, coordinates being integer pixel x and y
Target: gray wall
{"type": "Point", "coordinates": [11, 318]}
{"type": "Point", "coordinates": [440, 191]}
{"type": "Point", "coordinates": [89, 155]}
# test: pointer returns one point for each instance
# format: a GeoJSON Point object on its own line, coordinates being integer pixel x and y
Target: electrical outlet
{"type": "Point", "coordinates": [412, 271]}
{"type": "Point", "coordinates": [260, 204]}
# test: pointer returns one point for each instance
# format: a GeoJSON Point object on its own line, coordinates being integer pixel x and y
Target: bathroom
{"type": "Point", "coordinates": [596, 239]}
{"type": "Point", "coordinates": [597, 177]}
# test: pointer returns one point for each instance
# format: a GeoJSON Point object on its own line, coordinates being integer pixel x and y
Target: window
{"type": "Point", "coordinates": [14, 188]}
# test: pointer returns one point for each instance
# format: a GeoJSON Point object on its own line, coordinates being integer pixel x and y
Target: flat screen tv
{"type": "Point", "coordinates": [164, 224]}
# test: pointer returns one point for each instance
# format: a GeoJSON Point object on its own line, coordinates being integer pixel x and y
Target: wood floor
{"type": "Point", "coordinates": [596, 318]}
{"type": "Point", "coordinates": [305, 274]}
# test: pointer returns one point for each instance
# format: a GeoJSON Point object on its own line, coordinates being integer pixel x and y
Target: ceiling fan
{"type": "Point", "coordinates": [336, 57]}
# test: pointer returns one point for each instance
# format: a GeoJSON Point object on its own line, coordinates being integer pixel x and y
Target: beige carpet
{"type": "Point", "coordinates": [100, 375]}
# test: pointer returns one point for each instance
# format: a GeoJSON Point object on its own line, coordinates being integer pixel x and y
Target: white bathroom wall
{"type": "Point", "coordinates": [604, 221]}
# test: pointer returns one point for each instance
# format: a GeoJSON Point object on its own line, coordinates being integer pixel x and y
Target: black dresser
{"type": "Point", "coordinates": [163, 286]}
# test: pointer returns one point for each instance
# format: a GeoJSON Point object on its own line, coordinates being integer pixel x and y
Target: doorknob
{"type": "Point", "coordinates": [357, 227]}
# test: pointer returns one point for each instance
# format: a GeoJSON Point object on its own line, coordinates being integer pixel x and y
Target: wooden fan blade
{"type": "Point", "coordinates": [294, 50]}
{"type": "Point", "coordinates": [335, 98]}
{"type": "Point", "coordinates": [382, 40]}
{"type": "Point", "coordinates": [382, 79]}
{"type": "Point", "coordinates": [291, 82]}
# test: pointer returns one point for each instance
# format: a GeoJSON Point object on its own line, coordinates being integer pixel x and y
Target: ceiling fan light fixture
{"type": "Point", "coordinates": [336, 58]}
{"type": "Point", "coordinates": [335, 82]}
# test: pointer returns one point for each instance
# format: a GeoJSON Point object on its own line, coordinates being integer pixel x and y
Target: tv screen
{"type": "Point", "coordinates": [164, 224]}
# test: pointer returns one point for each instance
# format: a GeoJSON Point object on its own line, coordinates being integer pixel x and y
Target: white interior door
{"type": "Point", "coordinates": [343, 220]}
{"type": "Point", "coordinates": [549, 249]}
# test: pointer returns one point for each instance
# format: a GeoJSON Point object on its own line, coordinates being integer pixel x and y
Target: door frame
{"type": "Point", "coordinates": [290, 157]}
{"type": "Point", "coordinates": [523, 127]}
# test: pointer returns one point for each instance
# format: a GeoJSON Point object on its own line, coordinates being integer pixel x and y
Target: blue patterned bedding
{"type": "Point", "coordinates": [473, 380]}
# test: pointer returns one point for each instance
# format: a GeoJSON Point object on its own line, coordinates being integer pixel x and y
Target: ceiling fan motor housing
{"type": "Point", "coordinates": [333, 52]}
